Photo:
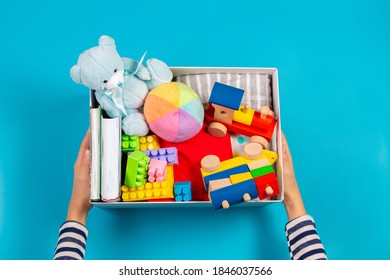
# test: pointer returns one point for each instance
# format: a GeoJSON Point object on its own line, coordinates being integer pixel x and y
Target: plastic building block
{"type": "Point", "coordinates": [226, 96]}
{"type": "Point", "coordinates": [136, 169]}
{"type": "Point", "coordinates": [259, 139]}
{"type": "Point", "coordinates": [217, 129]}
{"type": "Point", "coordinates": [217, 184]}
{"type": "Point", "coordinates": [265, 184]}
{"type": "Point", "coordinates": [210, 163]}
{"type": "Point", "coordinates": [223, 114]}
{"type": "Point", "coordinates": [156, 170]}
{"type": "Point", "coordinates": [253, 150]}
{"type": "Point", "coordinates": [151, 191]}
{"type": "Point", "coordinates": [244, 115]}
{"type": "Point", "coordinates": [234, 194]}
{"type": "Point", "coordinates": [262, 171]}
{"type": "Point", "coordinates": [149, 142]}
{"type": "Point", "coordinates": [241, 177]}
{"type": "Point", "coordinates": [182, 191]}
{"type": "Point", "coordinates": [163, 200]}
{"type": "Point", "coordinates": [130, 143]}
{"type": "Point", "coordinates": [146, 192]}
{"type": "Point", "coordinates": [224, 174]}
{"type": "Point", "coordinates": [168, 154]}
{"type": "Point", "coordinates": [258, 163]}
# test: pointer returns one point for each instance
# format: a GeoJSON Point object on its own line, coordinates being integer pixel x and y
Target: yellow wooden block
{"type": "Point", "coordinates": [237, 178]}
{"type": "Point", "coordinates": [244, 116]}
{"type": "Point", "coordinates": [227, 164]}
{"type": "Point", "coordinates": [240, 160]}
{"type": "Point", "coordinates": [270, 155]}
{"type": "Point", "coordinates": [150, 190]}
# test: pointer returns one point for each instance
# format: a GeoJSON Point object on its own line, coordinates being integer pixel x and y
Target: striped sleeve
{"type": "Point", "coordinates": [303, 240]}
{"type": "Point", "coordinates": [71, 241]}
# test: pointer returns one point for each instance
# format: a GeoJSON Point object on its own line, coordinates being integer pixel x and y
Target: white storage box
{"type": "Point", "coordinates": [245, 78]}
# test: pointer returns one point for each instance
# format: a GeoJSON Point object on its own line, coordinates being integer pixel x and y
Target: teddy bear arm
{"type": "Point", "coordinates": [130, 67]}
{"type": "Point", "coordinates": [108, 105]}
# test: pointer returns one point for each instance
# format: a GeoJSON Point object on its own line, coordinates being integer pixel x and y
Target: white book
{"type": "Point", "coordinates": [95, 120]}
{"type": "Point", "coordinates": [111, 158]}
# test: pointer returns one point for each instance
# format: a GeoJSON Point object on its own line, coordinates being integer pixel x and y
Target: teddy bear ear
{"type": "Point", "coordinates": [75, 74]}
{"type": "Point", "coordinates": [106, 41]}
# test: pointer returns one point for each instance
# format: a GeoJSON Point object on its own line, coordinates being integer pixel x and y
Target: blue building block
{"type": "Point", "coordinates": [167, 154]}
{"type": "Point", "coordinates": [226, 96]}
{"type": "Point", "coordinates": [182, 191]}
{"type": "Point", "coordinates": [225, 174]}
{"type": "Point", "coordinates": [233, 194]}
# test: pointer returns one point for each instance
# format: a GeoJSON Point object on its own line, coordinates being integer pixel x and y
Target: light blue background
{"type": "Point", "coordinates": [333, 59]}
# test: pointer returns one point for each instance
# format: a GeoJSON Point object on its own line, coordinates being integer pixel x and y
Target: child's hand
{"type": "Point", "coordinates": [79, 204]}
{"type": "Point", "coordinates": [292, 197]}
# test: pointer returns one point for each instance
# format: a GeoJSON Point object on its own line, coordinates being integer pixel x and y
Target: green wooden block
{"type": "Point", "coordinates": [262, 171]}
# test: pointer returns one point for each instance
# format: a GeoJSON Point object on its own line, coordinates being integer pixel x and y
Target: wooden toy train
{"type": "Point", "coordinates": [244, 177]}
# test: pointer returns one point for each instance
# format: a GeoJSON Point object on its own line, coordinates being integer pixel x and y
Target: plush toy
{"type": "Point", "coordinates": [174, 112]}
{"type": "Point", "coordinates": [121, 84]}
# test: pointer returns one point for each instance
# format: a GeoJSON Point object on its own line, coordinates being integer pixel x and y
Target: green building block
{"type": "Point", "coordinates": [136, 169]}
{"type": "Point", "coordinates": [130, 143]}
{"type": "Point", "coordinates": [262, 171]}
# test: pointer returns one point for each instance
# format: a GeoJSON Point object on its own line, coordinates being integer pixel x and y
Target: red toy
{"type": "Point", "coordinates": [227, 115]}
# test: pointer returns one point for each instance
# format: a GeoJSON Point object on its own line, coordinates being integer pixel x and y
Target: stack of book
{"type": "Point", "coordinates": [106, 156]}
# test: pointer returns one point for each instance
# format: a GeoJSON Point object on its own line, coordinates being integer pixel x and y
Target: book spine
{"type": "Point", "coordinates": [111, 159]}
{"type": "Point", "coordinates": [95, 124]}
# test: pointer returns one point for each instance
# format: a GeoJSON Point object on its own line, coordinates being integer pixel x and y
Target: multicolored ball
{"type": "Point", "coordinates": [174, 112]}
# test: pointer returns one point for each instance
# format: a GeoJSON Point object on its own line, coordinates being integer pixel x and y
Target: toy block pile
{"type": "Point", "coordinates": [149, 171]}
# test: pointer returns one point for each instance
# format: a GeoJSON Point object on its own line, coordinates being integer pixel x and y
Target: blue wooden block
{"type": "Point", "coordinates": [225, 174]}
{"type": "Point", "coordinates": [233, 194]}
{"type": "Point", "coordinates": [226, 96]}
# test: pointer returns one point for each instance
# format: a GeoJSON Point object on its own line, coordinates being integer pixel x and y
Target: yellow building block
{"type": "Point", "coordinates": [237, 178]}
{"type": "Point", "coordinates": [244, 116]}
{"type": "Point", "coordinates": [149, 142]}
{"type": "Point", "coordinates": [150, 190]}
{"type": "Point", "coordinates": [240, 160]}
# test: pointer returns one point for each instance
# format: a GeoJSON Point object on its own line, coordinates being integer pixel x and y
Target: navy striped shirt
{"type": "Point", "coordinates": [71, 241]}
{"type": "Point", "coordinates": [303, 240]}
